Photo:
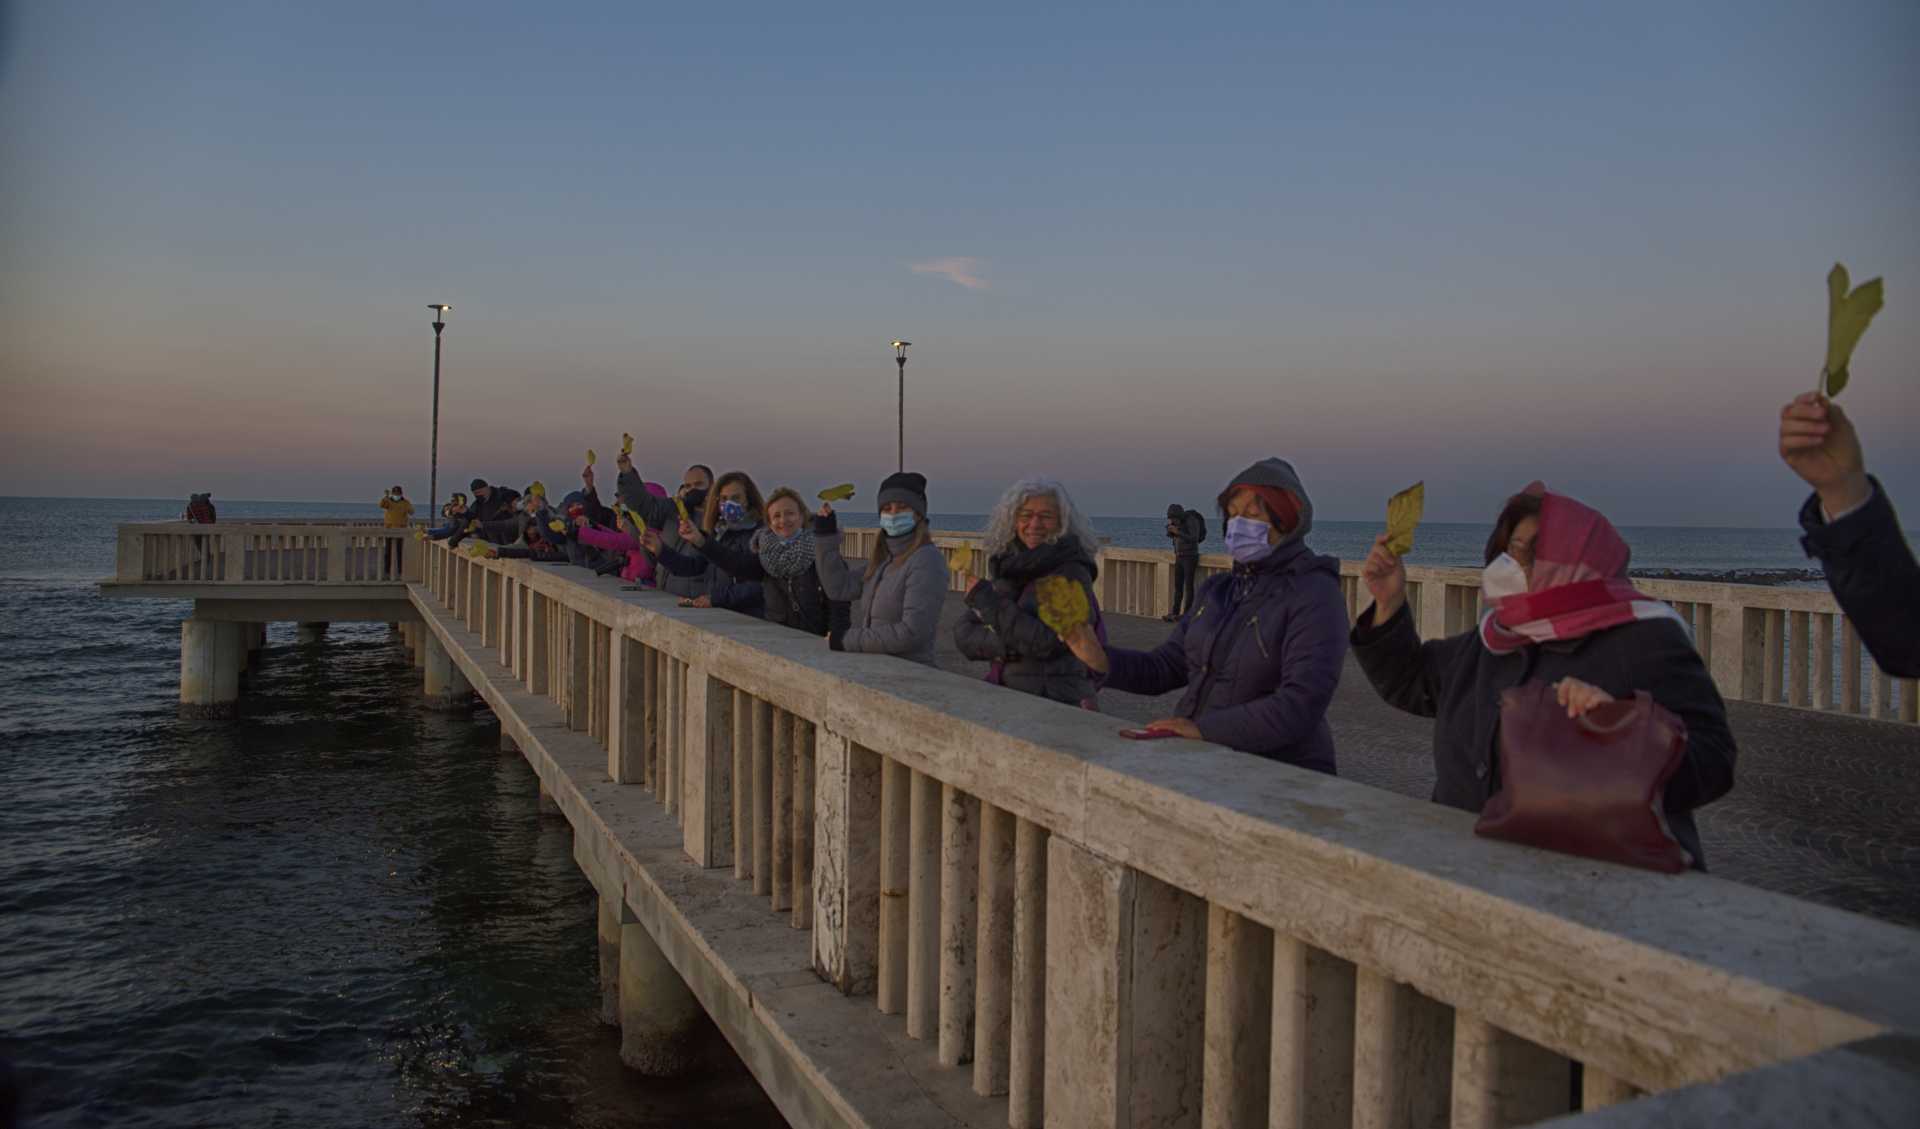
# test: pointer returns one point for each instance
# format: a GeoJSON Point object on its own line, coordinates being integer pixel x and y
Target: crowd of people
{"type": "Point", "coordinates": [1258, 650]}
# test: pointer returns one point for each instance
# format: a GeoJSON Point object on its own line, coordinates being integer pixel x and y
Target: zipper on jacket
{"type": "Point", "coordinates": [1253, 625]}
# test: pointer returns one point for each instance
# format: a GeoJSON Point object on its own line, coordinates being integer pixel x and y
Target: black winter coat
{"type": "Point", "coordinates": [1457, 682]}
{"type": "Point", "coordinates": [1003, 624]}
{"type": "Point", "coordinates": [800, 602]}
{"type": "Point", "coordinates": [733, 568]}
{"type": "Point", "coordinates": [1873, 576]}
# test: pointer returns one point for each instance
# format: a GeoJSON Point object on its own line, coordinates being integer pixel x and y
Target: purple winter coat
{"type": "Point", "coordinates": [1260, 656]}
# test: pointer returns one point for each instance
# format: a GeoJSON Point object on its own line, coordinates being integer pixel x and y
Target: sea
{"type": "Point", "coordinates": [342, 909]}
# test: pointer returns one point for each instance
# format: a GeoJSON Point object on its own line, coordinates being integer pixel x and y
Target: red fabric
{"type": "Point", "coordinates": [1579, 583]}
{"type": "Point", "coordinates": [1280, 505]}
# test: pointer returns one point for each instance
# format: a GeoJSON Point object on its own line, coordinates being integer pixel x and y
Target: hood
{"type": "Point", "coordinates": [1279, 473]}
{"type": "Point", "coordinates": [1175, 510]}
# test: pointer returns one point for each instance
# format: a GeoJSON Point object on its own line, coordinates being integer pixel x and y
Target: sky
{"type": "Point", "coordinates": [1136, 247]}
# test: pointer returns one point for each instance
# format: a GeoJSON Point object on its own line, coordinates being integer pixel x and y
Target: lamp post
{"type": "Point", "coordinates": [433, 472]}
{"type": "Point", "coordinates": [900, 358]}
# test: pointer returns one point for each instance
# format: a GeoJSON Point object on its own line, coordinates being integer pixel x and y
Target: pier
{"type": "Point", "coordinates": [908, 898]}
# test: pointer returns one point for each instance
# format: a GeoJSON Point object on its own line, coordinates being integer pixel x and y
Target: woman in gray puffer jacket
{"type": "Point", "coordinates": [896, 605]}
{"type": "Point", "coordinates": [1034, 533]}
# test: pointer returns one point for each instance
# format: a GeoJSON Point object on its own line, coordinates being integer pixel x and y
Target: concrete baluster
{"type": "Point", "coordinates": [1849, 667]}
{"type": "Point", "coordinates": [1026, 1027]}
{"type": "Point", "coordinates": [626, 712]}
{"type": "Point", "coordinates": [708, 789]}
{"type": "Point", "coordinates": [780, 813]}
{"type": "Point", "coordinates": [1500, 1079]}
{"type": "Point", "coordinates": [805, 737]}
{"type": "Point", "coordinates": [1311, 1082]}
{"type": "Point", "coordinates": [1799, 654]}
{"type": "Point", "coordinates": [742, 737]}
{"type": "Point", "coordinates": [923, 909]}
{"type": "Point", "coordinates": [993, 952]}
{"type": "Point", "coordinates": [1239, 1022]}
{"type": "Point", "coordinates": [1775, 656]}
{"type": "Point", "coordinates": [1823, 691]}
{"type": "Point", "coordinates": [959, 922]}
{"type": "Point", "coordinates": [763, 738]}
{"type": "Point", "coordinates": [1402, 1055]}
{"type": "Point", "coordinates": [846, 863]}
{"type": "Point", "coordinates": [896, 805]}
{"type": "Point", "coordinates": [539, 639]}
{"type": "Point", "coordinates": [579, 672]}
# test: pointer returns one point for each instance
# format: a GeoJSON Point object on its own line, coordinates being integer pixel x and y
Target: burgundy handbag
{"type": "Point", "coordinates": [1588, 786]}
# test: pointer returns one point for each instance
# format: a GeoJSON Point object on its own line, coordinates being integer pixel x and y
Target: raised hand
{"type": "Point", "coordinates": [1818, 442]}
{"type": "Point", "coordinates": [1385, 576]}
{"type": "Point", "coordinates": [690, 534]}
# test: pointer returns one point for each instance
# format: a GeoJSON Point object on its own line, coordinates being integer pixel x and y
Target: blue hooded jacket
{"type": "Point", "coordinates": [1262, 650]}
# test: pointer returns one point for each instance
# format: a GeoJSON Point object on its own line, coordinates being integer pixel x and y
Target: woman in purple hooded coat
{"type": "Point", "coordinates": [1260, 653]}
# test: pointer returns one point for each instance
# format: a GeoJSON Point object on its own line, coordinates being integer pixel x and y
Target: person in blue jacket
{"type": "Point", "coordinates": [1260, 651]}
{"type": "Point", "coordinates": [1851, 528]}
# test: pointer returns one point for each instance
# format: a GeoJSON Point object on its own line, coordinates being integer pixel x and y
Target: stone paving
{"type": "Point", "coordinates": [1823, 807]}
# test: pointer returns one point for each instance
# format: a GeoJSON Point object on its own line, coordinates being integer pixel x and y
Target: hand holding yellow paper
{"type": "Point", "coordinates": [681, 505]}
{"type": "Point", "coordinates": [1848, 313]}
{"type": "Point", "coordinates": [838, 493]}
{"type": "Point", "coordinates": [1403, 516]}
{"type": "Point", "coordinates": [591, 457]}
{"type": "Point", "coordinates": [1063, 604]}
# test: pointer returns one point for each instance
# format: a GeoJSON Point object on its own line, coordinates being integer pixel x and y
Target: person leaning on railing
{"type": "Point", "coordinates": [1852, 529]}
{"type": "Point", "coordinates": [897, 604]}
{"type": "Point", "coordinates": [720, 547]}
{"type": "Point", "coordinates": [794, 595]}
{"type": "Point", "coordinates": [1261, 650]}
{"type": "Point", "coordinates": [1563, 612]}
{"type": "Point", "coordinates": [1033, 533]}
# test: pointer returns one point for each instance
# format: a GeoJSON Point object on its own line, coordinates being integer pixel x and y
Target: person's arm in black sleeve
{"type": "Point", "coordinates": [1405, 672]}
{"type": "Point", "coordinates": [1874, 576]}
{"type": "Point", "coordinates": [738, 562]}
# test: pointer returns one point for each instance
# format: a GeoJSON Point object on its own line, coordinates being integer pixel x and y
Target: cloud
{"type": "Point", "coordinates": [963, 271]}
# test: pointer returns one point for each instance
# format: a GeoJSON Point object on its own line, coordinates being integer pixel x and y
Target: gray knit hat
{"type": "Point", "coordinates": [905, 486]}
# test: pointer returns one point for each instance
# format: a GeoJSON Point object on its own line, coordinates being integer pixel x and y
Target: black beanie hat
{"type": "Point", "coordinates": [477, 484]}
{"type": "Point", "coordinates": [904, 486]}
{"type": "Point", "coordinates": [1175, 510]}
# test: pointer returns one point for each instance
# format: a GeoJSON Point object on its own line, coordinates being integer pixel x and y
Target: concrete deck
{"type": "Point", "coordinates": [1825, 807]}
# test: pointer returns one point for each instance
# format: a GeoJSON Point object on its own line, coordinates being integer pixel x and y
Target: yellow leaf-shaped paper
{"type": "Point", "coordinates": [838, 493]}
{"type": "Point", "coordinates": [1403, 517]}
{"type": "Point", "coordinates": [1063, 604]}
{"type": "Point", "coordinates": [626, 443]}
{"type": "Point", "coordinates": [958, 559]}
{"type": "Point", "coordinates": [681, 505]}
{"type": "Point", "coordinates": [557, 527]}
{"type": "Point", "coordinates": [537, 487]}
{"type": "Point", "coordinates": [419, 535]}
{"type": "Point", "coordinates": [1848, 313]}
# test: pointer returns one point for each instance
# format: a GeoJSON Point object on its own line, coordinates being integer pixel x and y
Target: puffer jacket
{"type": "Point", "coordinates": [729, 564]}
{"type": "Point", "coordinates": [896, 611]}
{"type": "Point", "coordinates": [1003, 625]}
{"type": "Point", "coordinates": [1261, 653]}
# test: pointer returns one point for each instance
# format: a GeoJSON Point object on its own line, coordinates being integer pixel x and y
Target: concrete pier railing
{"type": "Point", "coordinates": [1784, 646]}
{"type": "Point", "coordinates": [999, 912]}
{"type": "Point", "coordinates": [278, 552]}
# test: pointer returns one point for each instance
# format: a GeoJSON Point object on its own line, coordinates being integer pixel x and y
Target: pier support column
{"type": "Point", "coordinates": [658, 1014]}
{"type": "Point", "coordinates": [610, 960]}
{"type": "Point", "coordinates": [417, 644]}
{"type": "Point", "coordinates": [210, 653]}
{"type": "Point", "coordinates": [312, 632]}
{"type": "Point", "coordinates": [446, 687]}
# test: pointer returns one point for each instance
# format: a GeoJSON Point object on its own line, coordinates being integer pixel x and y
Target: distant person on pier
{"type": "Point", "coordinates": [1852, 529]}
{"type": "Point", "coordinates": [396, 511]}
{"type": "Point", "coordinates": [627, 540]}
{"type": "Point", "coordinates": [720, 547]}
{"type": "Point", "coordinates": [1261, 649]}
{"type": "Point", "coordinates": [454, 517]}
{"type": "Point", "coordinates": [1034, 532]}
{"type": "Point", "coordinates": [794, 595]}
{"type": "Point", "coordinates": [897, 602]}
{"type": "Point", "coordinates": [199, 509]}
{"type": "Point", "coordinates": [1186, 529]}
{"type": "Point", "coordinates": [1562, 612]}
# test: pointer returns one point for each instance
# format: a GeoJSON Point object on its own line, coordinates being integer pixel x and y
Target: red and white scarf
{"type": "Point", "coordinates": [1579, 583]}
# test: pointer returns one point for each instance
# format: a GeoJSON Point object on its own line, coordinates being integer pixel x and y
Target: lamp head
{"type": "Point", "coordinates": [439, 312]}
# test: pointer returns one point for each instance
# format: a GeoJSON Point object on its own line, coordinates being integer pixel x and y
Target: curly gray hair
{"type": "Point", "coordinates": [1001, 533]}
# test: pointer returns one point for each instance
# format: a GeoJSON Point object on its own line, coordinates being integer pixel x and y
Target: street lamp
{"type": "Point", "coordinates": [433, 474]}
{"type": "Point", "coordinates": [900, 358]}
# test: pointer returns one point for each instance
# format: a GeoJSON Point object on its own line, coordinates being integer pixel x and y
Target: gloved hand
{"type": "Point", "coordinates": [837, 638]}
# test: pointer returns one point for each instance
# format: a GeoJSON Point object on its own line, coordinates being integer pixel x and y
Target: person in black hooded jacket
{"type": "Point", "coordinates": [1034, 533]}
{"type": "Point", "coordinates": [723, 548]}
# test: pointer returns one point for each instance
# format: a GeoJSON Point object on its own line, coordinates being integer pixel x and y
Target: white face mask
{"type": "Point", "coordinates": [1503, 578]}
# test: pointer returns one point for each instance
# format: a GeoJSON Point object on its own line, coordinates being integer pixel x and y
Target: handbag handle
{"type": "Point", "coordinates": [1636, 708]}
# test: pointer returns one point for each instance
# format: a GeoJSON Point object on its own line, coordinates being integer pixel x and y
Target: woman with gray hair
{"type": "Point", "coordinates": [1035, 532]}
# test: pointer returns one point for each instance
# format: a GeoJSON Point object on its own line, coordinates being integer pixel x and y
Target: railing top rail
{"type": "Point", "coordinates": [1659, 980]}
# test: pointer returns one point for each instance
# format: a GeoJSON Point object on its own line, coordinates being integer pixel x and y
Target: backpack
{"type": "Point", "coordinates": [1195, 517]}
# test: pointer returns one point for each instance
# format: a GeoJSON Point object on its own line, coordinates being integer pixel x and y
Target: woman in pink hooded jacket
{"type": "Point", "coordinates": [629, 538]}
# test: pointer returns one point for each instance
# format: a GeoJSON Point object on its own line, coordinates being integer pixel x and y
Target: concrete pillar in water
{"type": "Point", "coordinates": [210, 653]}
{"type": "Point", "coordinates": [312, 632]}
{"type": "Point", "coordinates": [418, 643]}
{"type": "Point", "coordinates": [658, 1014]}
{"type": "Point", "coordinates": [447, 687]}
{"type": "Point", "coordinates": [610, 961]}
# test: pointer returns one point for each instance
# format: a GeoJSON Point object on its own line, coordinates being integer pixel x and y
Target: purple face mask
{"type": "Point", "coordinates": [1247, 539]}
